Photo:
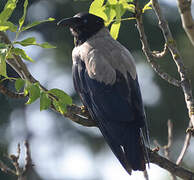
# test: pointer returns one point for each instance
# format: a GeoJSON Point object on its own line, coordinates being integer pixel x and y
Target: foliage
{"type": "Point", "coordinates": [112, 12]}
{"type": "Point", "coordinates": [55, 97]}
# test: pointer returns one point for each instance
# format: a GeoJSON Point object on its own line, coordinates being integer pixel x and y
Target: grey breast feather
{"type": "Point", "coordinates": [103, 55]}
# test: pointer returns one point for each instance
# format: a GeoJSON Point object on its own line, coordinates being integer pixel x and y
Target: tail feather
{"type": "Point", "coordinates": [129, 150]}
{"type": "Point", "coordinates": [133, 149]}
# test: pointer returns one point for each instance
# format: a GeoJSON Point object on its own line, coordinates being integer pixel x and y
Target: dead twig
{"type": "Point", "coordinates": [167, 147]}
{"type": "Point", "coordinates": [20, 172]}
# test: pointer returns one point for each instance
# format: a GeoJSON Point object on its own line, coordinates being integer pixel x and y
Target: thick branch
{"type": "Point", "coordinates": [184, 7]}
{"type": "Point", "coordinates": [170, 166]}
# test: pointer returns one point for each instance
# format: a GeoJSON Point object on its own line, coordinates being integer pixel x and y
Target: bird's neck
{"type": "Point", "coordinates": [82, 37]}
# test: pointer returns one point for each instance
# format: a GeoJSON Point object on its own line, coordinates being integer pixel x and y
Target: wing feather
{"type": "Point", "coordinates": [118, 110]}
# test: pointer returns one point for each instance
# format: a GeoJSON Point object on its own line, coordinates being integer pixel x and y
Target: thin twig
{"type": "Point", "coordinates": [20, 172]}
{"type": "Point", "coordinates": [148, 53]}
{"type": "Point", "coordinates": [185, 82]}
{"type": "Point", "coordinates": [168, 146]}
{"type": "Point", "coordinates": [184, 149]}
{"type": "Point", "coordinates": [184, 7]}
{"type": "Point", "coordinates": [157, 54]}
{"type": "Point", "coordinates": [28, 164]}
{"type": "Point", "coordinates": [6, 169]}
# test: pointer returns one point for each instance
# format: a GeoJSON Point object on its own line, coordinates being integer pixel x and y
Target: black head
{"type": "Point", "coordinates": [83, 26]}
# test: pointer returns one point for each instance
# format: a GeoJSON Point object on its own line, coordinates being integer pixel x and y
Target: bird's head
{"type": "Point", "coordinates": [83, 25]}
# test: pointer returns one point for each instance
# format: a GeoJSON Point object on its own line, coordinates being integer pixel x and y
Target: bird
{"type": "Point", "coordinates": [105, 78]}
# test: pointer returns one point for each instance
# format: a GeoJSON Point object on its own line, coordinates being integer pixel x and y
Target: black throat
{"type": "Point", "coordinates": [83, 35]}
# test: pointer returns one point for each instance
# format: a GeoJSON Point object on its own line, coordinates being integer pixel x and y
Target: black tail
{"type": "Point", "coordinates": [134, 149]}
{"type": "Point", "coordinates": [128, 148]}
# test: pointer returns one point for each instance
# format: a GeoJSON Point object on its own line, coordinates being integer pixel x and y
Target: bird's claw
{"type": "Point", "coordinates": [83, 109]}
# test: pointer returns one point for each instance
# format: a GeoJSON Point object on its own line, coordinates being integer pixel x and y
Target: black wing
{"type": "Point", "coordinates": [118, 111]}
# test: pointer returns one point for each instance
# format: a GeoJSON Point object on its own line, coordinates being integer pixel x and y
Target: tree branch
{"type": "Point", "coordinates": [185, 82]}
{"type": "Point", "coordinates": [184, 7]}
{"type": "Point", "coordinates": [170, 166]}
{"type": "Point", "coordinates": [184, 149]}
{"type": "Point", "coordinates": [148, 53]}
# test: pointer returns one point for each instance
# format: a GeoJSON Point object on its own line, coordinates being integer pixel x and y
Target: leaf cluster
{"type": "Point", "coordinates": [8, 50]}
{"type": "Point", "coordinates": [33, 91]}
{"type": "Point", "coordinates": [112, 11]}
{"type": "Point", "coordinates": [54, 97]}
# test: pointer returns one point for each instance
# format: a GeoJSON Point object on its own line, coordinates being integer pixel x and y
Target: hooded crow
{"type": "Point", "coordinates": [105, 78]}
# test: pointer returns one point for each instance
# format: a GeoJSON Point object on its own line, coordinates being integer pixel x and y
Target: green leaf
{"type": "Point", "coordinates": [8, 10]}
{"type": "Point", "coordinates": [120, 10]}
{"type": "Point", "coordinates": [22, 53]}
{"type": "Point", "coordinates": [110, 13]}
{"type": "Point", "coordinates": [61, 95]}
{"type": "Point", "coordinates": [147, 6]}
{"type": "Point", "coordinates": [129, 7]}
{"type": "Point", "coordinates": [32, 41]}
{"type": "Point", "coordinates": [60, 107]}
{"type": "Point", "coordinates": [97, 9]}
{"type": "Point", "coordinates": [7, 25]}
{"type": "Point", "coordinates": [27, 42]}
{"type": "Point", "coordinates": [22, 19]}
{"type": "Point", "coordinates": [46, 45]}
{"type": "Point", "coordinates": [96, 4]}
{"type": "Point", "coordinates": [3, 70]}
{"type": "Point", "coordinates": [19, 84]}
{"type": "Point", "coordinates": [56, 105]}
{"type": "Point", "coordinates": [36, 23]}
{"type": "Point", "coordinates": [34, 92]}
{"type": "Point", "coordinates": [61, 101]}
{"type": "Point", "coordinates": [113, 1]}
{"type": "Point", "coordinates": [114, 31]}
{"type": "Point", "coordinates": [45, 101]}
{"type": "Point", "coordinates": [3, 53]}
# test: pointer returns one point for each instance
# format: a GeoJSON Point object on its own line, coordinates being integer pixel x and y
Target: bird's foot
{"type": "Point", "coordinates": [83, 109]}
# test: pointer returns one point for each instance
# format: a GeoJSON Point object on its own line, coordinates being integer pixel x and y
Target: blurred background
{"type": "Point", "coordinates": [63, 150]}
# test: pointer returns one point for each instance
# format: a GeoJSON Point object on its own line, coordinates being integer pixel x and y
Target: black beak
{"type": "Point", "coordinates": [69, 22]}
